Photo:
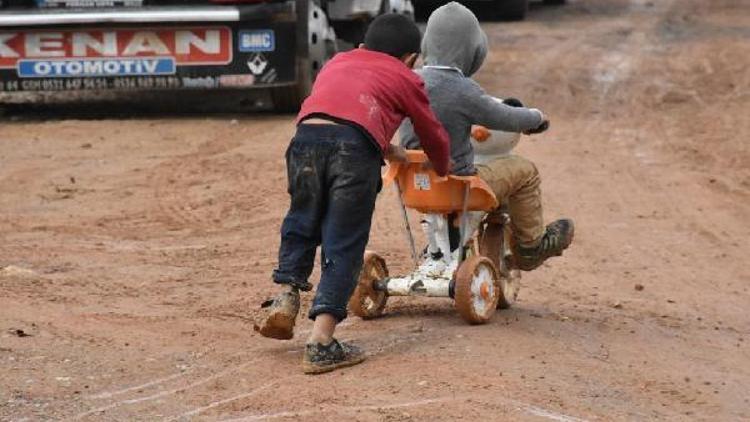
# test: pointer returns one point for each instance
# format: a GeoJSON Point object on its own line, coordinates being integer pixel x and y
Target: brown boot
{"type": "Point", "coordinates": [279, 316]}
{"type": "Point", "coordinates": [557, 237]}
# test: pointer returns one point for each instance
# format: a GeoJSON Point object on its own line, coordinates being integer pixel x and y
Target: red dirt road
{"type": "Point", "coordinates": [134, 252]}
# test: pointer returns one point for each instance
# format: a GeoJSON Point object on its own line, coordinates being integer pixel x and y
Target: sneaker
{"type": "Point", "coordinates": [279, 317]}
{"type": "Point", "coordinates": [557, 237]}
{"type": "Point", "coordinates": [319, 358]}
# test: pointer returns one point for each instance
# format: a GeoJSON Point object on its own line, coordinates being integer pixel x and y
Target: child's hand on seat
{"type": "Point", "coordinates": [396, 154]}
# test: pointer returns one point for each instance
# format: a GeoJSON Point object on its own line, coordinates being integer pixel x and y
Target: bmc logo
{"type": "Point", "coordinates": [185, 46]}
{"type": "Point", "coordinates": [256, 41]}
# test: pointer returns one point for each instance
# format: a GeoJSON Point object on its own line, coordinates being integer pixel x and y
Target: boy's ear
{"type": "Point", "coordinates": [410, 59]}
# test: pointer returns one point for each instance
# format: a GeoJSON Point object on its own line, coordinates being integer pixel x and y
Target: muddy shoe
{"type": "Point", "coordinates": [319, 358]}
{"type": "Point", "coordinates": [279, 315]}
{"type": "Point", "coordinates": [555, 240]}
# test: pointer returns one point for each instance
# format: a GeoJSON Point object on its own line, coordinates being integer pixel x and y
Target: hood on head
{"type": "Point", "coordinates": [454, 38]}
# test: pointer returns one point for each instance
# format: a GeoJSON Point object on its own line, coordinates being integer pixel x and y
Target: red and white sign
{"type": "Point", "coordinates": [188, 46]}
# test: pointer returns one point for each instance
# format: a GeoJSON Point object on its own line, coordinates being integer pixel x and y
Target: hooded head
{"type": "Point", "coordinates": [454, 38]}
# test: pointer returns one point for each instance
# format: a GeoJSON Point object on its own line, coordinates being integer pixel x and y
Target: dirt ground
{"type": "Point", "coordinates": [134, 252]}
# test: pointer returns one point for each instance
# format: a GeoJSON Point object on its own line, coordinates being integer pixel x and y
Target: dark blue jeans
{"type": "Point", "coordinates": [334, 177]}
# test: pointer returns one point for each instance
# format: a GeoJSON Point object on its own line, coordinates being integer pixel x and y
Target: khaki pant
{"type": "Point", "coordinates": [515, 181]}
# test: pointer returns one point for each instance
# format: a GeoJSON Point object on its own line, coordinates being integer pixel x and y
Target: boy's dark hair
{"type": "Point", "coordinates": [393, 34]}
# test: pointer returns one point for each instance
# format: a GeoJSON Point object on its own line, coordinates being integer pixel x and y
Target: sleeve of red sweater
{"type": "Point", "coordinates": [432, 136]}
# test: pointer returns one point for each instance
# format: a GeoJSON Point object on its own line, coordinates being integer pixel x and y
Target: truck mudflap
{"type": "Point", "coordinates": [251, 46]}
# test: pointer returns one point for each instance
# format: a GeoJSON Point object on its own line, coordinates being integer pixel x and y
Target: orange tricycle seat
{"type": "Point", "coordinates": [422, 189]}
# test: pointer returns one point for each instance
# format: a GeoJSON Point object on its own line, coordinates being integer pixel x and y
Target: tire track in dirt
{"type": "Point", "coordinates": [214, 404]}
{"type": "Point", "coordinates": [152, 383]}
{"type": "Point", "coordinates": [174, 179]}
{"type": "Point", "coordinates": [355, 410]}
{"type": "Point", "coordinates": [161, 394]}
{"type": "Point", "coordinates": [215, 185]}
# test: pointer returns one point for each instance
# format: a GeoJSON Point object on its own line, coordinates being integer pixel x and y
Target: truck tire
{"type": "Point", "coordinates": [512, 10]}
{"type": "Point", "coordinates": [320, 42]}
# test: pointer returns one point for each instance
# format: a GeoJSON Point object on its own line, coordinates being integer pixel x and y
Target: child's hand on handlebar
{"type": "Point", "coordinates": [542, 126]}
{"type": "Point", "coordinates": [539, 129]}
{"type": "Point", "coordinates": [395, 153]}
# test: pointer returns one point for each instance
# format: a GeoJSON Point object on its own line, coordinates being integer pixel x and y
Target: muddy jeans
{"type": "Point", "coordinates": [334, 176]}
{"type": "Point", "coordinates": [515, 180]}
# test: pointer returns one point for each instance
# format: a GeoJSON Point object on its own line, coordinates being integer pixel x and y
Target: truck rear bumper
{"type": "Point", "coordinates": [252, 46]}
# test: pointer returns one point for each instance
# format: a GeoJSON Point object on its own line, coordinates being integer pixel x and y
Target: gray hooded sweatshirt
{"type": "Point", "coordinates": [454, 48]}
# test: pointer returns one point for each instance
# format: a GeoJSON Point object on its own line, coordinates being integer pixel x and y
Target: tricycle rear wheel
{"type": "Point", "coordinates": [494, 243]}
{"type": "Point", "coordinates": [367, 302]}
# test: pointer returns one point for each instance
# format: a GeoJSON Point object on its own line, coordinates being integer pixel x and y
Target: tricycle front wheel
{"type": "Point", "coordinates": [477, 290]}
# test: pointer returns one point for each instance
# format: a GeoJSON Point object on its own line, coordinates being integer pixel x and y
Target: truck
{"type": "Point", "coordinates": [128, 45]}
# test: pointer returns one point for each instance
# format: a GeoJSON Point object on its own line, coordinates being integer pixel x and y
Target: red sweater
{"type": "Point", "coordinates": [375, 92]}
